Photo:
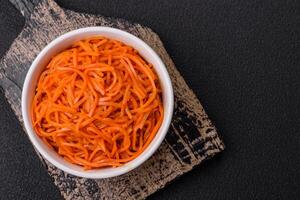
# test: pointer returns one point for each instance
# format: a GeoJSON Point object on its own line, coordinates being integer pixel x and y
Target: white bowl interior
{"type": "Point", "coordinates": [64, 42]}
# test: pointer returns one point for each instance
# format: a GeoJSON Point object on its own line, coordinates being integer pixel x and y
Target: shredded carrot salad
{"type": "Point", "coordinates": [98, 103]}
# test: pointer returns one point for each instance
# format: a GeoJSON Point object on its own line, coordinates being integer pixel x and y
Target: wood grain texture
{"type": "Point", "coordinates": [25, 6]}
{"type": "Point", "coordinates": [191, 139]}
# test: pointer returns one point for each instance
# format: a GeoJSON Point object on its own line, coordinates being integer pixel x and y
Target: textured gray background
{"type": "Point", "coordinates": [241, 59]}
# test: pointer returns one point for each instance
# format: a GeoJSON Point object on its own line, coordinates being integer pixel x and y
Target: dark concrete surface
{"type": "Point", "coordinates": [242, 58]}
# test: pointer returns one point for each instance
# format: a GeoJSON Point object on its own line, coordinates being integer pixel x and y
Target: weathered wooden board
{"type": "Point", "coordinates": [192, 138]}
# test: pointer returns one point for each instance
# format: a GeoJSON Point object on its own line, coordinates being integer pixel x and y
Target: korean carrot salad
{"type": "Point", "coordinates": [98, 103]}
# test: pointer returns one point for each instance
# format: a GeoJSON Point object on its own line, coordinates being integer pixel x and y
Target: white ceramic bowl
{"type": "Point", "coordinates": [64, 42]}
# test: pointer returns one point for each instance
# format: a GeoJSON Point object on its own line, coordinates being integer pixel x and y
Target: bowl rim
{"type": "Point", "coordinates": [154, 144]}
